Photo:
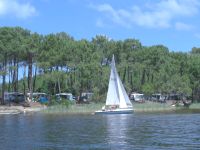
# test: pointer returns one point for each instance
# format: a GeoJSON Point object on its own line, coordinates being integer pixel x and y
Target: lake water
{"type": "Point", "coordinates": [124, 132]}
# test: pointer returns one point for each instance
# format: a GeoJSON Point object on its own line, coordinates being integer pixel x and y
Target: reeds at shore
{"type": "Point", "coordinates": [138, 107]}
{"type": "Point", "coordinates": [74, 109]}
{"type": "Point", "coordinates": [153, 107]}
{"type": "Point", "coordinates": [195, 106]}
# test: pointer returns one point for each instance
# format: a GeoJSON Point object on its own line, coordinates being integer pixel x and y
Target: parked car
{"type": "Point", "coordinates": [64, 96]}
{"type": "Point", "coordinates": [137, 97]}
{"type": "Point", "coordinates": [15, 97]}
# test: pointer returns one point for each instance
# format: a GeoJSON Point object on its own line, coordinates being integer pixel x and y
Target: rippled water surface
{"type": "Point", "coordinates": [135, 131]}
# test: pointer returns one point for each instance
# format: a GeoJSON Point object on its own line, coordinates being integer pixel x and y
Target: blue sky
{"type": "Point", "coordinates": [173, 23]}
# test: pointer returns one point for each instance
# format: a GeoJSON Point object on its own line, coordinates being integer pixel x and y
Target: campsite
{"type": "Point", "coordinates": [99, 75]}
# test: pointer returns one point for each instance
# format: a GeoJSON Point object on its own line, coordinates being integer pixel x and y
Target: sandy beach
{"type": "Point", "coordinates": [16, 109]}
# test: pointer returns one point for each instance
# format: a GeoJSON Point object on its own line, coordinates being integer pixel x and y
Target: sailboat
{"type": "Point", "coordinates": [117, 101]}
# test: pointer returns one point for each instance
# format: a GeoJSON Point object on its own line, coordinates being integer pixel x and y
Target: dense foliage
{"type": "Point", "coordinates": [57, 63]}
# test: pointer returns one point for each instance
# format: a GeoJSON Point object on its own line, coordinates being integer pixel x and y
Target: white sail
{"type": "Point", "coordinates": [112, 95]}
{"type": "Point", "coordinates": [124, 101]}
{"type": "Point", "coordinates": [116, 93]}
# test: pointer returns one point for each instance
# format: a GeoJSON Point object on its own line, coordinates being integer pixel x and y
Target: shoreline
{"type": "Point", "coordinates": [138, 108]}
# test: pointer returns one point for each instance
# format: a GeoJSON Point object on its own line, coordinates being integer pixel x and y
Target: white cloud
{"type": "Point", "coordinates": [115, 16]}
{"type": "Point", "coordinates": [14, 8]}
{"type": "Point", "coordinates": [155, 15]}
{"type": "Point", "coordinates": [183, 26]}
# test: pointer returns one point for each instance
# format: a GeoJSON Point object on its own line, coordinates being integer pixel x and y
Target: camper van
{"type": "Point", "coordinates": [158, 98]}
{"type": "Point", "coordinates": [15, 97]}
{"type": "Point", "coordinates": [64, 96]}
{"type": "Point", "coordinates": [137, 97]}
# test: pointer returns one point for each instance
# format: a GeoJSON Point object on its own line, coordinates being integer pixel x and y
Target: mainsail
{"type": "Point", "coordinates": [116, 93]}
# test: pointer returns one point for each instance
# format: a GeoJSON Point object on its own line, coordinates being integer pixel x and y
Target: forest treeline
{"type": "Point", "coordinates": [31, 62]}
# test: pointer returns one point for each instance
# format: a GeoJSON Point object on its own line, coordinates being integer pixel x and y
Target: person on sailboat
{"type": "Point", "coordinates": [113, 106]}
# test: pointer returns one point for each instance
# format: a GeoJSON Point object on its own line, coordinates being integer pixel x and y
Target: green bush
{"type": "Point", "coordinates": [62, 102]}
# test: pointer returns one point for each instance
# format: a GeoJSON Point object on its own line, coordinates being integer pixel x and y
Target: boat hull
{"type": "Point", "coordinates": [116, 111]}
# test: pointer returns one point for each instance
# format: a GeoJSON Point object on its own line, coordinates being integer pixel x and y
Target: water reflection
{"type": "Point", "coordinates": [153, 131]}
{"type": "Point", "coordinates": [117, 130]}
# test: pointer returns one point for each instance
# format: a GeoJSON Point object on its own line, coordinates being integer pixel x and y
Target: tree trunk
{"type": "Point", "coordinates": [17, 76]}
{"type": "Point", "coordinates": [74, 75]}
{"type": "Point", "coordinates": [30, 65]}
{"type": "Point", "coordinates": [4, 78]}
{"type": "Point", "coordinates": [128, 74]}
{"type": "Point", "coordinates": [24, 82]}
{"type": "Point", "coordinates": [132, 81]}
{"type": "Point", "coordinates": [35, 77]}
{"type": "Point", "coordinates": [124, 75]}
{"type": "Point", "coordinates": [152, 78]}
{"type": "Point", "coordinates": [71, 80]}
{"type": "Point", "coordinates": [14, 75]}
{"type": "Point", "coordinates": [10, 76]}
{"type": "Point", "coordinates": [143, 77]}
{"type": "Point", "coordinates": [59, 86]}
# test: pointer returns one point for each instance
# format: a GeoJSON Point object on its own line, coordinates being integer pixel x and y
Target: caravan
{"type": "Point", "coordinates": [137, 97]}
{"type": "Point", "coordinates": [64, 96]}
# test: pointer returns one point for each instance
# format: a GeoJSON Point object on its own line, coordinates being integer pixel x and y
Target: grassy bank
{"type": "Point", "coordinates": [153, 107]}
{"type": "Point", "coordinates": [144, 107]}
{"type": "Point", "coordinates": [74, 109]}
{"type": "Point", "coordinates": [195, 106]}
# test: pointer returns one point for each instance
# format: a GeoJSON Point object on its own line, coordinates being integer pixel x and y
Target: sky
{"type": "Point", "coordinates": [172, 23]}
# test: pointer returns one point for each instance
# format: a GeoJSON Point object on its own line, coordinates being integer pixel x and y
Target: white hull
{"type": "Point", "coordinates": [116, 111]}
